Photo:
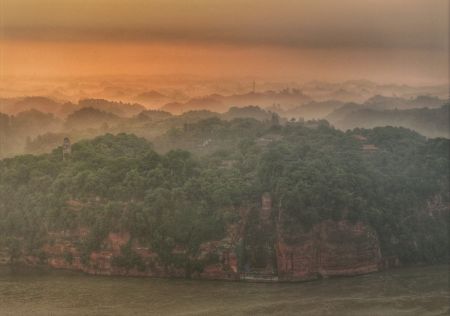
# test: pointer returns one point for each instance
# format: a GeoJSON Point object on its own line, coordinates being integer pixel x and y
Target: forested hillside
{"type": "Point", "coordinates": [391, 179]}
{"type": "Point", "coordinates": [431, 122]}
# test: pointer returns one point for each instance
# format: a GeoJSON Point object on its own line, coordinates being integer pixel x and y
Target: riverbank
{"type": "Point", "coordinates": [404, 291]}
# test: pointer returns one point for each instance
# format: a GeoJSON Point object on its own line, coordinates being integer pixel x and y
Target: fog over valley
{"type": "Point", "coordinates": [36, 124]}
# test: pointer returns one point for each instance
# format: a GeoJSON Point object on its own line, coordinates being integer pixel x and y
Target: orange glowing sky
{"type": "Point", "coordinates": [401, 41]}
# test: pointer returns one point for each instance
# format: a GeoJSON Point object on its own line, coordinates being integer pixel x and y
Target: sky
{"type": "Point", "coordinates": [401, 41]}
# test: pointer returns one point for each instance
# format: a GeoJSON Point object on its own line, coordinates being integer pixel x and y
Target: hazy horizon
{"type": "Point", "coordinates": [384, 41]}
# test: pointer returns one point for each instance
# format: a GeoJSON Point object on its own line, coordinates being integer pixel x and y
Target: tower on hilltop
{"type": "Point", "coordinates": [66, 148]}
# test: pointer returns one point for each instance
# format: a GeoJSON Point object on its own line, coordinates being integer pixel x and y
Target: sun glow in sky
{"type": "Point", "coordinates": [401, 41]}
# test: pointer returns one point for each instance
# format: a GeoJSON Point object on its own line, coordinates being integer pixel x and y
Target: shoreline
{"type": "Point", "coordinates": [20, 268]}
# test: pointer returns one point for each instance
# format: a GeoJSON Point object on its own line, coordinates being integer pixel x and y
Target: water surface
{"type": "Point", "coordinates": [407, 291]}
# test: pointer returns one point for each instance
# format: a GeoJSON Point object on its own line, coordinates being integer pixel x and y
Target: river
{"type": "Point", "coordinates": [406, 291]}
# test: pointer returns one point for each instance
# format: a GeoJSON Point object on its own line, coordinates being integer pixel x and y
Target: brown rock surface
{"type": "Point", "coordinates": [328, 249]}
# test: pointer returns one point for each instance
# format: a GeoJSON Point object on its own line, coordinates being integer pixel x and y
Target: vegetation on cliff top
{"type": "Point", "coordinates": [390, 178]}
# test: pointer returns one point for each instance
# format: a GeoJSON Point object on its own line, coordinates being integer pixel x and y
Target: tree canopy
{"type": "Point", "coordinates": [181, 200]}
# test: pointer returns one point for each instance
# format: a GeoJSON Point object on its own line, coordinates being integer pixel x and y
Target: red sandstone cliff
{"type": "Point", "coordinates": [62, 253]}
{"type": "Point", "coordinates": [328, 249]}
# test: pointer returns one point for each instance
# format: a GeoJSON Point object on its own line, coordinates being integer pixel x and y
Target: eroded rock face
{"type": "Point", "coordinates": [61, 252]}
{"type": "Point", "coordinates": [328, 249]}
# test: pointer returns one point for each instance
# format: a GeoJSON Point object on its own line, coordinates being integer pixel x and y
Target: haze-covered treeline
{"type": "Point", "coordinates": [390, 178]}
{"type": "Point", "coordinates": [429, 122]}
{"type": "Point", "coordinates": [37, 132]}
{"type": "Point", "coordinates": [37, 124]}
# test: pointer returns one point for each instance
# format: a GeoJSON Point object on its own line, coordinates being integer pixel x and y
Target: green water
{"type": "Point", "coordinates": [406, 291]}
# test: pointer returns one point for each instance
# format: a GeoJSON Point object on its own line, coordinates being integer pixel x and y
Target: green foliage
{"type": "Point", "coordinates": [176, 202]}
{"type": "Point", "coordinates": [68, 257]}
{"type": "Point", "coordinates": [128, 259]}
{"type": "Point", "coordinates": [432, 122]}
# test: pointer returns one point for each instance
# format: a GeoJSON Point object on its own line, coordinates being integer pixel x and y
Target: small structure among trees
{"type": "Point", "coordinates": [275, 120]}
{"type": "Point", "coordinates": [66, 148]}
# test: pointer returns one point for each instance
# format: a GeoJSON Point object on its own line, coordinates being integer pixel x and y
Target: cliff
{"type": "Point", "coordinates": [255, 248]}
{"type": "Point", "coordinates": [328, 249]}
{"type": "Point", "coordinates": [62, 252]}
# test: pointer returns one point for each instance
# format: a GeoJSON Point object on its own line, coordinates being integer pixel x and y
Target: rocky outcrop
{"type": "Point", "coordinates": [328, 249]}
{"type": "Point", "coordinates": [62, 252]}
